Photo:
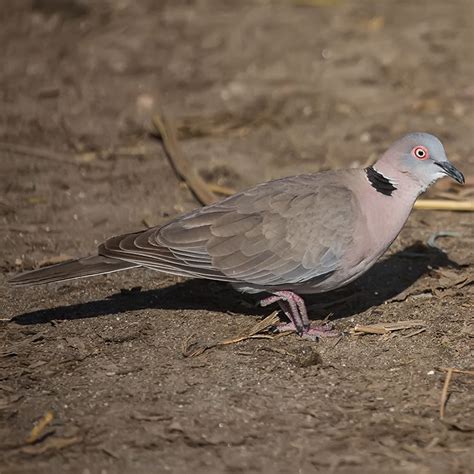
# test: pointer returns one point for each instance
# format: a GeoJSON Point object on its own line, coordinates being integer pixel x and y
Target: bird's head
{"type": "Point", "coordinates": [421, 157]}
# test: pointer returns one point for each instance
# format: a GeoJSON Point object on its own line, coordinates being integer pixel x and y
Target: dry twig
{"type": "Point", "coordinates": [456, 371]}
{"type": "Point", "coordinates": [51, 444]}
{"type": "Point", "coordinates": [39, 427]}
{"type": "Point", "coordinates": [223, 190]}
{"type": "Point", "coordinates": [444, 393]}
{"type": "Point", "coordinates": [181, 167]}
{"type": "Point", "coordinates": [193, 349]}
{"type": "Point", "coordinates": [444, 205]}
{"type": "Point", "coordinates": [54, 260]}
{"type": "Point", "coordinates": [44, 154]}
{"type": "Point", "coordinates": [386, 328]}
{"type": "Point", "coordinates": [415, 332]}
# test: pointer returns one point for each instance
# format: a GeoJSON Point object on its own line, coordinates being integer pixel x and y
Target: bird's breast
{"type": "Point", "coordinates": [379, 221]}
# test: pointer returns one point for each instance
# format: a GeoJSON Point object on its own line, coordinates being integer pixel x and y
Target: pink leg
{"type": "Point", "coordinates": [287, 302]}
{"type": "Point", "coordinates": [302, 309]}
{"type": "Point", "coordinates": [294, 308]}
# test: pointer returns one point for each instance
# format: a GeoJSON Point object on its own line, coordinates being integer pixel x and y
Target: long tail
{"type": "Point", "coordinates": [81, 268]}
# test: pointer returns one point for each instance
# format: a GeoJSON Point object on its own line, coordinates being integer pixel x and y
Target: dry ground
{"type": "Point", "coordinates": [259, 89]}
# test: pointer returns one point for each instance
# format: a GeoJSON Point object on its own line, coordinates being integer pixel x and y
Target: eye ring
{"type": "Point", "coordinates": [420, 152]}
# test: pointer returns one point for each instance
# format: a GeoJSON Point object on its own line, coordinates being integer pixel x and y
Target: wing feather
{"type": "Point", "coordinates": [280, 233]}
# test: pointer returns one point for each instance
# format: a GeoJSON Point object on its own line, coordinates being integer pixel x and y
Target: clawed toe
{"type": "Point", "coordinates": [316, 332]}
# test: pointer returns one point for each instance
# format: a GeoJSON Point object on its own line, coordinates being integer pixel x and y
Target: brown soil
{"type": "Point", "coordinates": [260, 89]}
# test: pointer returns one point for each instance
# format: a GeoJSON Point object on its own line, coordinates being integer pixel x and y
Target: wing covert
{"type": "Point", "coordinates": [283, 232]}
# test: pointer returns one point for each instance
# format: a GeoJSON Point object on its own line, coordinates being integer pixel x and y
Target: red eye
{"type": "Point", "coordinates": [420, 152]}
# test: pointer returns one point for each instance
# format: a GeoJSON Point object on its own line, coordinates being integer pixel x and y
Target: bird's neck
{"type": "Point", "coordinates": [386, 202]}
{"type": "Point", "coordinates": [381, 183]}
{"type": "Point", "coordinates": [389, 181]}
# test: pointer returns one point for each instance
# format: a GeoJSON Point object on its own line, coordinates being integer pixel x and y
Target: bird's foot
{"type": "Point", "coordinates": [293, 307]}
{"type": "Point", "coordinates": [313, 333]}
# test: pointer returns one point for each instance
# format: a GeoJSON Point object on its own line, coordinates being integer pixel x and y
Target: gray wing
{"type": "Point", "coordinates": [284, 232]}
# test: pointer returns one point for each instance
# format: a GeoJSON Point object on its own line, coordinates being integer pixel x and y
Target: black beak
{"type": "Point", "coordinates": [451, 170]}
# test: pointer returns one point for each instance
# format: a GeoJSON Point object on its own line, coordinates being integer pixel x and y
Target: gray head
{"type": "Point", "coordinates": [419, 156]}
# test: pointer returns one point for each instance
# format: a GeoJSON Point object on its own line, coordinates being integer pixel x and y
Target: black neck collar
{"type": "Point", "coordinates": [379, 182]}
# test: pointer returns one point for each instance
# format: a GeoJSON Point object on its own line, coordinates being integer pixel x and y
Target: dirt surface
{"type": "Point", "coordinates": [259, 89]}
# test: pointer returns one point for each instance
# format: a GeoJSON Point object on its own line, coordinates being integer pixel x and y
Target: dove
{"type": "Point", "coordinates": [285, 238]}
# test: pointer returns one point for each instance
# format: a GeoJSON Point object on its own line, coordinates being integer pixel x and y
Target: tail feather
{"type": "Point", "coordinates": [81, 268]}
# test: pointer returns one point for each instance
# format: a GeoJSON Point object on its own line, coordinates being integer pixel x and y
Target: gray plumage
{"type": "Point", "coordinates": [253, 237]}
{"type": "Point", "coordinates": [302, 234]}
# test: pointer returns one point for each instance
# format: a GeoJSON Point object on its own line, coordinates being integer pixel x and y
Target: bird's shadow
{"type": "Point", "coordinates": [387, 278]}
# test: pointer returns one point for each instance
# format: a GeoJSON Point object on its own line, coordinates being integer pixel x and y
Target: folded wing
{"type": "Point", "coordinates": [283, 232]}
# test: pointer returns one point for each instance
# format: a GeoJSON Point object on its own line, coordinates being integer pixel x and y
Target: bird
{"type": "Point", "coordinates": [299, 235]}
